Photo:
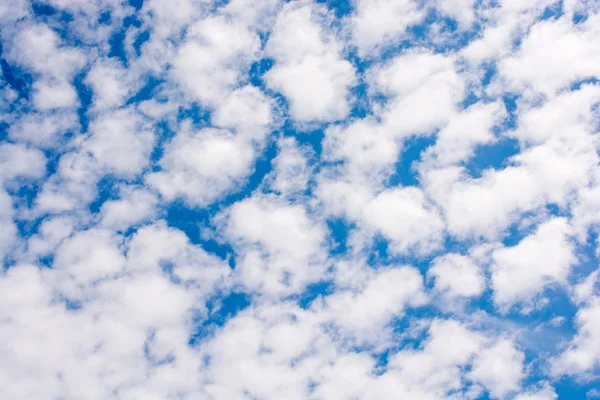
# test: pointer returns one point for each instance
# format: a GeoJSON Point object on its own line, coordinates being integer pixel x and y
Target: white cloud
{"type": "Point", "coordinates": [402, 215]}
{"type": "Point", "coordinates": [156, 244]}
{"type": "Point", "coordinates": [461, 10]}
{"type": "Point", "coordinates": [103, 298]}
{"type": "Point", "coordinates": [280, 246]}
{"type": "Point", "coordinates": [379, 23]}
{"type": "Point", "coordinates": [585, 208]}
{"type": "Point", "coordinates": [553, 55]}
{"type": "Point", "coordinates": [457, 141]}
{"type": "Point", "coordinates": [309, 70]}
{"type": "Point", "coordinates": [72, 186]}
{"type": "Point", "coordinates": [424, 90]}
{"type": "Point", "coordinates": [522, 271]}
{"type": "Point", "coordinates": [289, 345]}
{"type": "Point", "coordinates": [126, 324]}
{"type": "Point", "coordinates": [457, 275]}
{"type": "Point", "coordinates": [39, 48]}
{"type": "Point", "coordinates": [405, 217]}
{"type": "Point", "coordinates": [436, 368]}
{"type": "Point", "coordinates": [214, 57]}
{"type": "Point", "coordinates": [87, 257]}
{"type": "Point", "coordinates": [117, 143]}
{"type": "Point", "coordinates": [568, 117]}
{"type": "Point", "coordinates": [8, 229]}
{"type": "Point", "coordinates": [499, 368]}
{"type": "Point", "coordinates": [365, 147]}
{"type": "Point", "coordinates": [168, 18]}
{"type": "Point", "coordinates": [585, 290]}
{"type": "Point", "coordinates": [262, 342]}
{"type": "Point", "coordinates": [52, 95]}
{"type": "Point", "coordinates": [14, 11]}
{"type": "Point", "coordinates": [18, 161]}
{"type": "Point", "coordinates": [134, 206]}
{"type": "Point", "coordinates": [202, 166]}
{"type": "Point", "coordinates": [246, 110]}
{"type": "Point", "coordinates": [506, 21]}
{"type": "Point", "coordinates": [51, 233]}
{"type": "Point", "coordinates": [366, 312]}
{"type": "Point", "coordinates": [121, 142]}
{"type": "Point", "coordinates": [109, 82]}
{"type": "Point", "coordinates": [546, 392]}
{"type": "Point", "coordinates": [44, 131]}
{"type": "Point", "coordinates": [582, 6]}
{"type": "Point", "coordinates": [486, 206]}
{"type": "Point", "coordinates": [291, 168]}
{"type": "Point", "coordinates": [583, 352]}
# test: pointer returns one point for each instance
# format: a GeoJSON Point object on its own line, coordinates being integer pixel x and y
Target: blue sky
{"type": "Point", "coordinates": [265, 199]}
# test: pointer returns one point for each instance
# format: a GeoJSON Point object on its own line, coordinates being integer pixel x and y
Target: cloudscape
{"type": "Point", "coordinates": [299, 200]}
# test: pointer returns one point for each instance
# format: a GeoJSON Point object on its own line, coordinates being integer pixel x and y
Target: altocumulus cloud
{"type": "Point", "coordinates": [307, 199]}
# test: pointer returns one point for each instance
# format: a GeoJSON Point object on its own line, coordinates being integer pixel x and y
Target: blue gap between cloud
{"type": "Point", "coordinates": [220, 310]}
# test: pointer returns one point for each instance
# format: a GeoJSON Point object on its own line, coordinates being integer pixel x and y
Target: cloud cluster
{"type": "Point", "coordinates": [265, 199]}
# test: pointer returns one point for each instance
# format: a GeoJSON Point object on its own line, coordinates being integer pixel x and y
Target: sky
{"type": "Point", "coordinates": [307, 199]}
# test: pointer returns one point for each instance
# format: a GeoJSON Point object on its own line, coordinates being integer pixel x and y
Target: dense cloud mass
{"type": "Point", "coordinates": [304, 199]}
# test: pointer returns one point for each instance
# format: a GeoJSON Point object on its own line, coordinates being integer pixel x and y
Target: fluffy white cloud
{"type": "Point", "coordinates": [246, 110]}
{"type": "Point", "coordinates": [279, 244]}
{"type": "Point", "coordinates": [522, 271]}
{"type": "Point", "coordinates": [365, 148]}
{"type": "Point", "coordinates": [553, 55]}
{"type": "Point", "coordinates": [72, 186]}
{"type": "Point", "coordinates": [53, 95]}
{"type": "Point", "coordinates": [291, 168]}
{"type": "Point", "coordinates": [507, 21]}
{"type": "Point", "coordinates": [379, 23]}
{"type": "Point", "coordinates": [365, 312]}
{"type": "Point", "coordinates": [289, 343]}
{"type": "Point", "coordinates": [129, 310]}
{"type": "Point", "coordinates": [213, 59]}
{"type": "Point", "coordinates": [461, 10]}
{"type": "Point", "coordinates": [121, 142]}
{"type": "Point", "coordinates": [583, 352]}
{"type": "Point", "coordinates": [14, 11]}
{"type": "Point", "coordinates": [109, 82]}
{"type": "Point", "coordinates": [423, 89]}
{"type": "Point", "coordinates": [434, 369]}
{"type": "Point", "coordinates": [51, 233]}
{"type": "Point", "coordinates": [568, 117]}
{"type": "Point", "coordinates": [117, 143]}
{"type": "Point", "coordinates": [309, 70]}
{"type": "Point", "coordinates": [457, 275]}
{"type": "Point", "coordinates": [156, 247]}
{"type": "Point", "coordinates": [201, 166]}
{"type": "Point", "coordinates": [402, 215]}
{"type": "Point", "coordinates": [85, 258]}
{"type": "Point", "coordinates": [486, 206]}
{"type": "Point", "coordinates": [311, 200]}
{"type": "Point", "coordinates": [45, 131]}
{"type": "Point", "coordinates": [585, 290]}
{"type": "Point", "coordinates": [457, 141]}
{"type": "Point", "coordinates": [9, 229]}
{"type": "Point", "coordinates": [405, 217]}
{"type": "Point", "coordinates": [39, 48]}
{"type": "Point", "coordinates": [499, 368]}
{"type": "Point", "coordinates": [135, 205]}
{"type": "Point", "coordinates": [544, 393]}
{"type": "Point", "coordinates": [18, 161]}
